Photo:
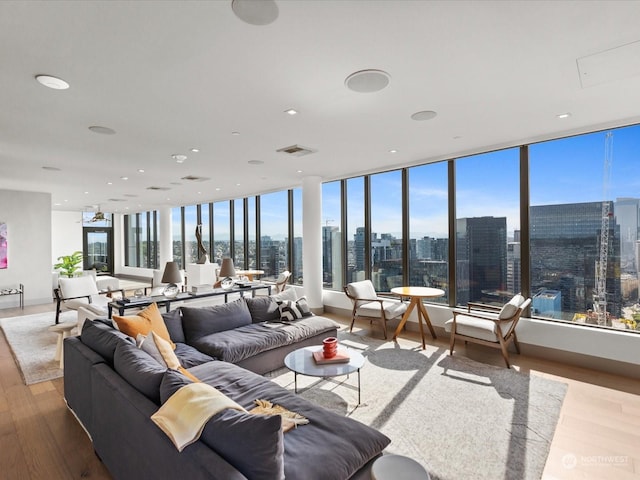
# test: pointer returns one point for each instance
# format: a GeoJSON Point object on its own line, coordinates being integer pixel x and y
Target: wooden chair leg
{"type": "Point", "coordinates": [353, 320]}
{"type": "Point", "coordinates": [452, 342]}
{"type": "Point", "coordinates": [384, 326]}
{"type": "Point", "coordinates": [505, 352]}
{"type": "Point", "coordinates": [515, 342]}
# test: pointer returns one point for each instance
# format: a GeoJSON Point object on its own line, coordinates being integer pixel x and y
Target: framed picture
{"type": "Point", "coordinates": [3, 245]}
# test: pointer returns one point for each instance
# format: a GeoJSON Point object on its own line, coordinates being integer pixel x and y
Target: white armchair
{"type": "Point", "coordinates": [489, 325]}
{"type": "Point", "coordinates": [78, 292]}
{"type": "Point", "coordinates": [367, 303]}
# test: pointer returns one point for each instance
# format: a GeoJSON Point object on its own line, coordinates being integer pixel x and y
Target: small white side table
{"type": "Point", "coordinates": [63, 330]}
{"type": "Point", "coordinates": [397, 467]}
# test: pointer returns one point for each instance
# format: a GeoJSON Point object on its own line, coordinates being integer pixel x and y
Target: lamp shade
{"type": "Point", "coordinates": [227, 269]}
{"type": "Point", "coordinates": [171, 273]}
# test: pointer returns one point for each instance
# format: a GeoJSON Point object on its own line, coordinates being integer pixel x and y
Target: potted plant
{"type": "Point", "coordinates": [69, 264]}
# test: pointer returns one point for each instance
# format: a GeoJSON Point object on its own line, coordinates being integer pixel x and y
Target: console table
{"type": "Point", "coordinates": [125, 304]}
{"type": "Point", "coordinates": [14, 291]}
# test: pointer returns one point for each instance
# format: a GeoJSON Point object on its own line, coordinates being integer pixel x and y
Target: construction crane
{"type": "Point", "coordinates": [600, 296]}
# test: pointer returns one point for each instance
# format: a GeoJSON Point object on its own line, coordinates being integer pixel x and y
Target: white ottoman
{"type": "Point", "coordinates": [397, 467]}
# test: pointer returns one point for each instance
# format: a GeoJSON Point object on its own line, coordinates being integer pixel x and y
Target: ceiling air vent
{"type": "Point", "coordinates": [296, 150]}
{"type": "Point", "coordinates": [158, 188]}
{"type": "Point", "coordinates": [193, 178]}
{"type": "Point", "coordinates": [116, 200]}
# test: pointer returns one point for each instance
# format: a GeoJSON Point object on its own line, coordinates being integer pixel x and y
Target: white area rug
{"type": "Point", "coordinates": [459, 418]}
{"type": "Point", "coordinates": [34, 346]}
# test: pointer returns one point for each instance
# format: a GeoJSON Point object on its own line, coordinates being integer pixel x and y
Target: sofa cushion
{"type": "Point", "coordinates": [243, 342]}
{"type": "Point", "coordinates": [139, 369]}
{"type": "Point", "coordinates": [173, 321]}
{"type": "Point", "coordinates": [311, 451]}
{"type": "Point", "coordinates": [263, 309]}
{"type": "Point", "coordinates": [143, 322]}
{"type": "Point", "coordinates": [510, 308]}
{"type": "Point", "coordinates": [200, 321]}
{"type": "Point", "coordinates": [251, 443]}
{"type": "Point", "coordinates": [189, 356]}
{"type": "Point", "coordinates": [103, 338]}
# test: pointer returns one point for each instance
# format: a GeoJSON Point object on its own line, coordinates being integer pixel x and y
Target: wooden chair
{"type": "Point", "coordinates": [488, 325]}
{"type": "Point", "coordinates": [367, 303]}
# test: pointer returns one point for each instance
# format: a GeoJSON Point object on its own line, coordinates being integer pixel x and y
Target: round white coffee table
{"type": "Point", "coordinates": [398, 467]}
{"type": "Point", "coordinates": [301, 362]}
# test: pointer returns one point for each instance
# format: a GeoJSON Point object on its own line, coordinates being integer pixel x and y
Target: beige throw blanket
{"type": "Point", "coordinates": [184, 415]}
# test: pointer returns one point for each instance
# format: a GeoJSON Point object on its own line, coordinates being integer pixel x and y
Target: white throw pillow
{"type": "Point", "coordinates": [510, 308]}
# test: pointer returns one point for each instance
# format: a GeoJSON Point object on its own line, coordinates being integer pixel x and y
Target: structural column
{"type": "Point", "coordinates": [166, 237]}
{"type": "Point", "coordinates": [312, 241]}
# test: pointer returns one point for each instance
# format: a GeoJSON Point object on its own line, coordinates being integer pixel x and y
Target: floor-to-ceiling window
{"type": "Point", "coordinates": [332, 240]}
{"type": "Point", "coordinates": [386, 230]}
{"type": "Point", "coordinates": [297, 265]}
{"type": "Point", "coordinates": [356, 237]}
{"type": "Point", "coordinates": [429, 227]}
{"type": "Point", "coordinates": [238, 233]}
{"type": "Point", "coordinates": [221, 231]}
{"type": "Point", "coordinates": [584, 217]}
{"type": "Point", "coordinates": [274, 234]}
{"type": "Point", "coordinates": [488, 227]}
{"type": "Point", "coordinates": [190, 243]}
{"type": "Point", "coordinates": [251, 234]}
{"type": "Point", "coordinates": [205, 228]}
{"type": "Point", "coordinates": [177, 222]}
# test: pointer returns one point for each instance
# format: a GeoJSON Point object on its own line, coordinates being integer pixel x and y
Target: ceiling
{"type": "Point", "coordinates": [171, 76]}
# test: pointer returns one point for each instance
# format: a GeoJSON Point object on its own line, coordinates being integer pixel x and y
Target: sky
{"type": "Point", "coordinates": [568, 170]}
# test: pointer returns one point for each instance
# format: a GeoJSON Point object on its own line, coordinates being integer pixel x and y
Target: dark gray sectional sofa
{"type": "Point", "coordinates": [113, 388]}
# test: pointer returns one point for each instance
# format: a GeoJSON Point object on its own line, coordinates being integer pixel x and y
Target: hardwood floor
{"type": "Point", "coordinates": [597, 437]}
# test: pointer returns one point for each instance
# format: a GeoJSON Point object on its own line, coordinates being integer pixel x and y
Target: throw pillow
{"type": "Point", "coordinates": [263, 309]}
{"type": "Point", "coordinates": [143, 322]}
{"type": "Point", "coordinates": [511, 307]}
{"type": "Point", "coordinates": [139, 369]}
{"type": "Point", "coordinates": [158, 348]}
{"type": "Point", "coordinates": [294, 310]}
{"type": "Point", "coordinates": [262, 454]}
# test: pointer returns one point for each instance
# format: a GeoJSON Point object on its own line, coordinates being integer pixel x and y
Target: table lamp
{"type": "Point", "coordinates": [227, 270]}
{"type": "Point", "coordinates": [172, 277]}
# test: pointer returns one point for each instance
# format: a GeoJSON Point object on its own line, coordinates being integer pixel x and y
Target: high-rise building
{"type": "Point", "coordinates": [331, 259]}
{"type": "Point", "coordinates": [565, 247]}
{"type": "Point", "coordinates": [627, 214]}
{"type": "Point", "coordinates": [481, 252]}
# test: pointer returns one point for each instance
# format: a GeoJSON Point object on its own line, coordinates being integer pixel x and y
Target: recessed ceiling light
{"type": "Point", "coordinates": [124, 178]}
{"type": "Point", "coordinates": [52, 169]}
{"type": "Point", "coordinates": [199, 193]}
{"type": "Point", "coordinates": [52, 82]}
{"type": "Point", "coordinates": [66, 200]}
{"type": "Point", "coordinates": [57, 204]}
{"type": "Point", "coordinates": [255, 162]}
{"type": "Point", "coordinates": [195, 150]}
{"type": "Point", "coordinates": [140, 170]}
{"type": "Point", "coordinates": [109, 183]}
{"type": "Point", "coordinates": [393, 151]}
{"type": "Point", "coordinates": [263, 12]}
{"type": "Point", "coordinates": [299, 171]}
{"type": "Point", "coordinates": [86, 193]}
{"type": "Point", "coordinates": [235, 133]}
{"type": "Point", "coordinates": [102, 130]}
{"type": "Point", "coordinates": [563, 115]}
{"type": "Point", "coordinates": [424, 115]}
{"type": "Point", "coordinates": [237, 184]}
{"type": "Point", "coordinates": [178, 157]}
{"type": "Point", "coordinates": [367, 81]}
{"type": "Point", "coordinates": [217, 189]}
{"type": "Point", "coordinates": [291, 111]}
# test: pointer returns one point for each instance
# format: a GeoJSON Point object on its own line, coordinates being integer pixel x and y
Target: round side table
{"type": "Point", "coordinates": [398, 467]}
{"type": "Point", "coordinates": [63, 330]}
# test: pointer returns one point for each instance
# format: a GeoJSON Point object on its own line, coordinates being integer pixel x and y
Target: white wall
{"type": "Point", "coordinates": [28, 219]}
{"type": "Point", "coordinates": [66, 234]}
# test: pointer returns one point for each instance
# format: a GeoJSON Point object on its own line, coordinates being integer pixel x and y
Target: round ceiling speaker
{"type": "Point", "coordinates": [367, 81]}
{"type": "Point", "coordinates": [255, 12]}
{"type": "Point", "coordinates": [424, 115]}
{"type": "Point", "coordinates": [102, 130]}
